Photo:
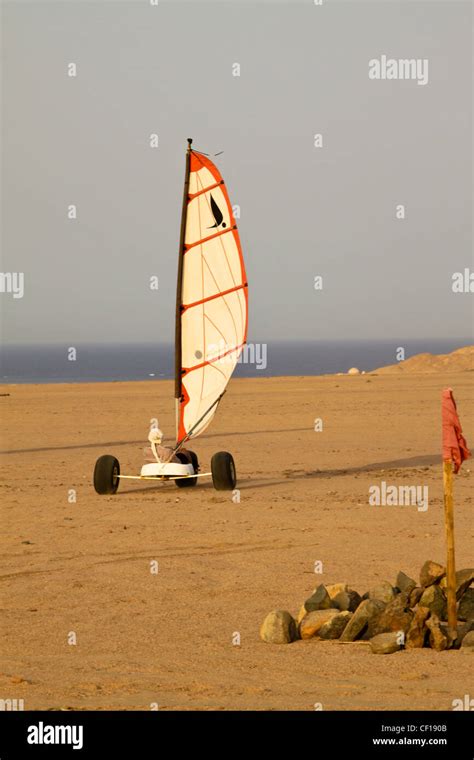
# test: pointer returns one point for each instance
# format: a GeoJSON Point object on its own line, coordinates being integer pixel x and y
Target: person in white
{"type": "Point", "coordinates": [163, 453]}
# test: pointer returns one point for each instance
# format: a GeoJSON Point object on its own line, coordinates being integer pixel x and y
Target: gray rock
{"type": "Point", "coordinates": [435, 600]}
{"type": "Point", "coordinates": [387, 643]}
{"type": "Point", "coordinates": [468, 642]}
{"type": "Point", "coordinates": [278, 627]}
{"type": "Point", "coordinates": [415, 596]}
{"type": "Point", "coordinates": [334, 627]}
{"type": "Point", "coordinates": [346, 600]}
{"type": "Point", "coordinates": [383, 591]}
{"type": "Point", "coordinates": [462, 630]}
{"type": "Point", "coordinates": [438, 640]}
{"type": "Point", "coordinates": [430, 573]}
{"type": "Point", "coordinates": [466, 605]}
{"type": "Point", "coordinates": [405, 583]}
{"type": "Point", "coordinates": [335, 588]}
{"type": "Point", "coordinates": [396, 616]}
{"type": "Point", "coordinates": [319, 600]}
{"type": "Point", "coordinates": [416, 635]}
{"type": "Point", "coordinates": [464, 578]}
{"type": "Point", "coordinates": [301, 614]}
{"type": "Point", "coordinates": [314, 621]}
{"type": "Point", "coordinates": [367, 611]}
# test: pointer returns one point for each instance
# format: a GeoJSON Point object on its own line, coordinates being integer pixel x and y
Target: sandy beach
{"type": "Point", "coordinates": [83, 566]}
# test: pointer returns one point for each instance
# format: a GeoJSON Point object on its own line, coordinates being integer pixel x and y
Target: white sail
{"type": "Point", "coordinates": [213, 303]}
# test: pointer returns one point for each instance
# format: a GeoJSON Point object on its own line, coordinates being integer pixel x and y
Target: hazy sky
{"type": "Point", "coordinates": [305, 211]}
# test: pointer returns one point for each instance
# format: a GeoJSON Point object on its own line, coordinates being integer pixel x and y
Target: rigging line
{"type": "Point", "coordinates": [217, 329]}
{"type": "Point", "coordinates": [188, 435]}
{"type": "Point", "coordinates": [222, 294]}
{"type": "Point", "coordinates": [219, 356]}
{"type": "Point", "coordinates": [208, 154]}
{"type": "Point", "coordinates": [211, 365]}
{"type": "Point", "coordinates": [238, 297]}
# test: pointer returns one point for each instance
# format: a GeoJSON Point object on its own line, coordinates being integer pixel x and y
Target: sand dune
{"type": "Point", "coordinates": [461, 360]}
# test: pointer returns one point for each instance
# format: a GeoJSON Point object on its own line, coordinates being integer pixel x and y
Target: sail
{"type": "Point", "coordinates": [212, 303]}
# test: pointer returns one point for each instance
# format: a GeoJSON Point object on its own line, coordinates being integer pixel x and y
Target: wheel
{"type": "Point", "coordinates": [194, 460]}
{"type": "Point", "coordinates": [223, 471]}
{"type": "Point", "coordinates": [187, 457]}
{"type": "Point", "coordinates": [106, 474]}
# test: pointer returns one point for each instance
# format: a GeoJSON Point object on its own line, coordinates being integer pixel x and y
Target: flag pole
{"type": "Point", "coordinates": [450, 564]}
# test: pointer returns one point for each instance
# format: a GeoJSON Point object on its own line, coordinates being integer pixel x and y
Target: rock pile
{"type": "Point", "coordinates": [408, 615]}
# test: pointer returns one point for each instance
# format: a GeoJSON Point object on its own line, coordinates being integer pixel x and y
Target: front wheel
{"type": "Point", "coordinates": [224, 476]}
{"type": "Point", "coordinates": [106, 474]}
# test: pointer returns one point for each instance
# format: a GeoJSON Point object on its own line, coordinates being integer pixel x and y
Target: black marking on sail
{"type": "Point", "coordinates": [217, 214]}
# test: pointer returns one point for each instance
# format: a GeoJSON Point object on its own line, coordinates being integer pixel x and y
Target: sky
{"type": "Point", "coordinates": [305, 211]}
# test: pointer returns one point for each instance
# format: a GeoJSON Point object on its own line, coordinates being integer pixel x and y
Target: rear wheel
{"type": "Point", "coordinates": [224, 476]}
{"type": "Point", "coordinates": [106, 474]}
{"type": "Point", "coordinates": [194, 459]}
{"type": "Point", "coordinates": [187, 457]}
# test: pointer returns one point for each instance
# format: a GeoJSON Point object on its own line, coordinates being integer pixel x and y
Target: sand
{"type": "Point", "coordinates": [167, 638]}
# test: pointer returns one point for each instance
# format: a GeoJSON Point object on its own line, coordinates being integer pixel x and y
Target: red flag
{"type": "Point", "coordinates": [454, 444]}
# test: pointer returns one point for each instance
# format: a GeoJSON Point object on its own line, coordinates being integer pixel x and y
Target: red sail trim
{"type": "Point", "coordinates": [216, 295]}
{"type": "Point", "coordinates": [182, 403]}
{"type": "Point", "coordinates": [185, 371]}
{"type": "Point", "coordinates": [210, 237]}
{"type": "Point", "coordinates": [200, 161]}
{"type": "Point", "coordinates": [192, 196]}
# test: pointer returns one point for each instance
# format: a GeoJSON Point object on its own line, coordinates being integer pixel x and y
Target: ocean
{"type": "Point", "coordinates": [114, 362]}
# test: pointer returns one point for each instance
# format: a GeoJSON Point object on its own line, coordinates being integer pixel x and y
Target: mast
{"type": "Point", "coordinates": [177, 339]}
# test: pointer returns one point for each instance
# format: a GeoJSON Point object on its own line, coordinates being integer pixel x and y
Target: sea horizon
{"type": "Point", "coordinates": [97, 362]}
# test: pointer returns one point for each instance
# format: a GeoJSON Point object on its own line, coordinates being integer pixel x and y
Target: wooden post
{"type": "Point", "coordinates": [450, 564]}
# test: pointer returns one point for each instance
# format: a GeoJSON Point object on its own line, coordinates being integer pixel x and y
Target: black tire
{"type": "Point", "coordinates": [186, 458]}
{"type": "Point", "coordinates": [194, 460]}
{"type": "Point", "coordinates": [224, 476]}
{"type": "Point", "coordinates": [106, 474]}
